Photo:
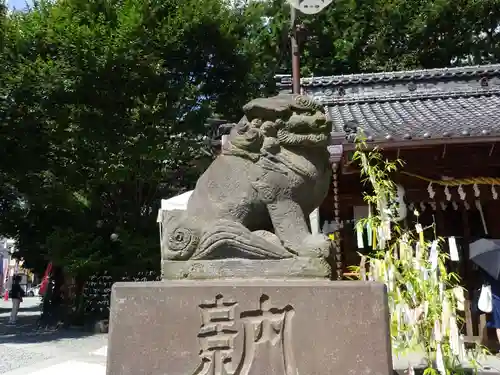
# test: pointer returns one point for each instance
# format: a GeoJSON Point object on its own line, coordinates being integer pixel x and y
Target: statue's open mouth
{"type": "Point", "coordinates": [287, 138]}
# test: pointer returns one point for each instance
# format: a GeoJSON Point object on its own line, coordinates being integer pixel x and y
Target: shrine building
{"type": "Point", "coordinates": [444, 124]}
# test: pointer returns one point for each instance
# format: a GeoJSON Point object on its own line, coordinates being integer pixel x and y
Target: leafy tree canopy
{"type": "Point", "coordinates": [102, 102]}
{"type": "Point", "coordinates": [102, 112]}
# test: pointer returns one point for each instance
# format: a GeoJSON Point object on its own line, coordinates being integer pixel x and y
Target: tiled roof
{"type": "Point", "coordinates": [422, 104]}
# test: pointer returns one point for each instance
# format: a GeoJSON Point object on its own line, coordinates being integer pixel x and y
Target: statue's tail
{"type": "Point", "coordinates": [179, 241]}
{"type": "Point", "coordinates": [228, 239]}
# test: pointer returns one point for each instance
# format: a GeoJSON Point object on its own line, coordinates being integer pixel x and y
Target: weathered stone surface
{"type": "Point", "coordinates": [308, 268]}
{"type": "Point", "coordinates": [249, 327]}
{"type": "Point", "coordinates": [254, 200]}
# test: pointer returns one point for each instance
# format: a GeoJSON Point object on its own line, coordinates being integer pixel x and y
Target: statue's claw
{"type": "Point", "coordinates": [315, 246]}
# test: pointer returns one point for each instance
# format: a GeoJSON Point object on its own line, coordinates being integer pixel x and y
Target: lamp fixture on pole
{"type": "Point", "coordinates": [306, 7]}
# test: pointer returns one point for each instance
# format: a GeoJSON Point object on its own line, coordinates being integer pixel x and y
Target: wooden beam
{"type": "Point", "coordinates": [418, 143]}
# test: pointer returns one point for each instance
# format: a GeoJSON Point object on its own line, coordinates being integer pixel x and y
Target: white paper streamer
{"type": "Point", "coordinates": [381, 238]}
{"type": "Point", "coordinates": [369, 234]}
{"type": "Point", "coordinates": [418, 251]}
{"type": "Point", "coordinates": [462, 354]}
{"type": "Point", "coordinates": [454, 336]}
{"type": "Point", "coordinates": [436, 332]}
{"type": "Point", "coordinates": [433, 256]}
{"type": "Point", "coordinates": [359, 236]}
{"type": "Point", "coordinates": [431, 191]}
{"type": "Point", "coordinates": [461, 192]}
{"type": "Point", "coordinates": [447, 193]}
{"type": "Point", "coordinates": [458, 292]}
{"type": "Point", "coordinates": [452, 244]}
{"type": "Point", "coordinates": [390, 277]}
{"type": "Point", "coordinates": [446, 315]}
{"type": "Point", "coordinates": [481, 213]}
{"type": "Point", "coordinates": [440, 360]}
{"type": "Point", "coordinates": [477, 192]}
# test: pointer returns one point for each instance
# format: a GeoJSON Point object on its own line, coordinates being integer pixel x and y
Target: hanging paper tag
{"type": "Point", "coordinates": [433, 256]}
{"type": "Point", "coordinates": [369, 233]}
{"type": "Point", "coordinates": [460, 298]}
{"type": "Point", "coordinates": [418, 251]}
{"type": "Point", "coordinates": [452, 244]}
{"type": "Point", "coordinates": [359, 235]}
{"type": "Point", "coordinates": [420, 231]}
{"type": "Point", "coordinates": [445, 315]}
{"type": "Point", "coordinates": [381, 238]}
{"type": "Point", "coordinates": [438, 335]}
{"type": "Point", "coordinates": [387, 230]}
{"type": "Point", "coordinates": [454, 336]}
{"type": "Point", "coordinates": [440, 360]}
{"type": "Point", "coordinates": [390, 277]}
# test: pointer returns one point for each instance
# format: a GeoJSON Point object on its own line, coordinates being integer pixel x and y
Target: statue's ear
{"type": "Point", "coordinates": [243, 121]}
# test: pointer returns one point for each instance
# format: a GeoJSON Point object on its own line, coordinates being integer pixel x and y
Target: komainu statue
{"type": "Point", "coordinates": [248, 214]}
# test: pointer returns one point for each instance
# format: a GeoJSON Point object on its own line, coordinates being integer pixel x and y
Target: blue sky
{"type": "Point", "coordinates": [17, 4]}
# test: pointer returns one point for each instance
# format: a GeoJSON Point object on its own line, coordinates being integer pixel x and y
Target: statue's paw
{"type": "Point", "coordinates": [315, 246]}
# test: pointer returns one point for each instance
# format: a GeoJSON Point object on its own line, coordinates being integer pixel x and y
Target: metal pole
{"type": "Point", "coordinates": [295, 52]}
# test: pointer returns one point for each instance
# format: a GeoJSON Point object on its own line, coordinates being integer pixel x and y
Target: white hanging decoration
{"type": "Point", "coordinates": [447, 193]}
{"type": "Point", "coordinates": [431, 191]}
{"type": "Point", "coordinates": [458, 292]}
{"type": "Point", "coordinates": [411, 206]}
{"type": "Point", "coordinates": [452, 244]}
{"type": "Point", "coordinates": [359, 235]}
{"type": "Point", "coordinates": [454, 337]}
{"type": "Point", "coordinates": [494, 192]}
{"type": "Point", "coordinates": [467, 205]}
{"type": "Point", "coordinates": [433, 205]}
{"type": "Point", "coordinates": [402, 207]}
{"type": "Point", "coordinates": [436, 332]}
{"type": "Point", "coordinates": [481, 213]}
{"type": "Point", "coordinates": [477, 192]}
{"type": "Point", "coordinates": [369, 233]}
{"type": "Point", "coordinates": [422, 206]}
{"type": "Point", "coordinates": [455, 205]}
{"type": "Point", "coordinates": [418, 251]}
{"type": "Point", "coordinates": [463, 353]}
{"type": "Point", "coordinates": [443, 206]}
{"type": "Point", "coordinates": [440, 360]}
{"type": "Point", "coordinates": [433, 255]}
{"type": "Point", "coordinates": [446, 314]}
{"type": "Point", "coordinates": [461, 192]}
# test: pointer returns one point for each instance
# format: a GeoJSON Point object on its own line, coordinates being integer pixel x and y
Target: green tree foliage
{"type": "Point", "coordinates": [102, 102]}
{"type": "Point", "coordinates": [353, 36]}
{"type": "Point", "coordinates": [102, 111]}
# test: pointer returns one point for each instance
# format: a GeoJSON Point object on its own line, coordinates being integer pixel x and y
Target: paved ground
{"type": "Point", "coordinates": [25, 351]}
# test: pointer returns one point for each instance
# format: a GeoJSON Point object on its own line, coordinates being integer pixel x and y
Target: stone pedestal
{"type": "Point", "coordinates": [249, 327]}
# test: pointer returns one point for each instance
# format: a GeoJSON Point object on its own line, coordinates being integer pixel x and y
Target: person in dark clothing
{"type": "Point", "coordinates": [16, 294]}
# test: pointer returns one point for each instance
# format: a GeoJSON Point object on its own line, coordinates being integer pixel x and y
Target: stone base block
{"type": "Point", "coordinates": [310, 268]}
{"type": "Point", "coordinates": [249, 327]}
